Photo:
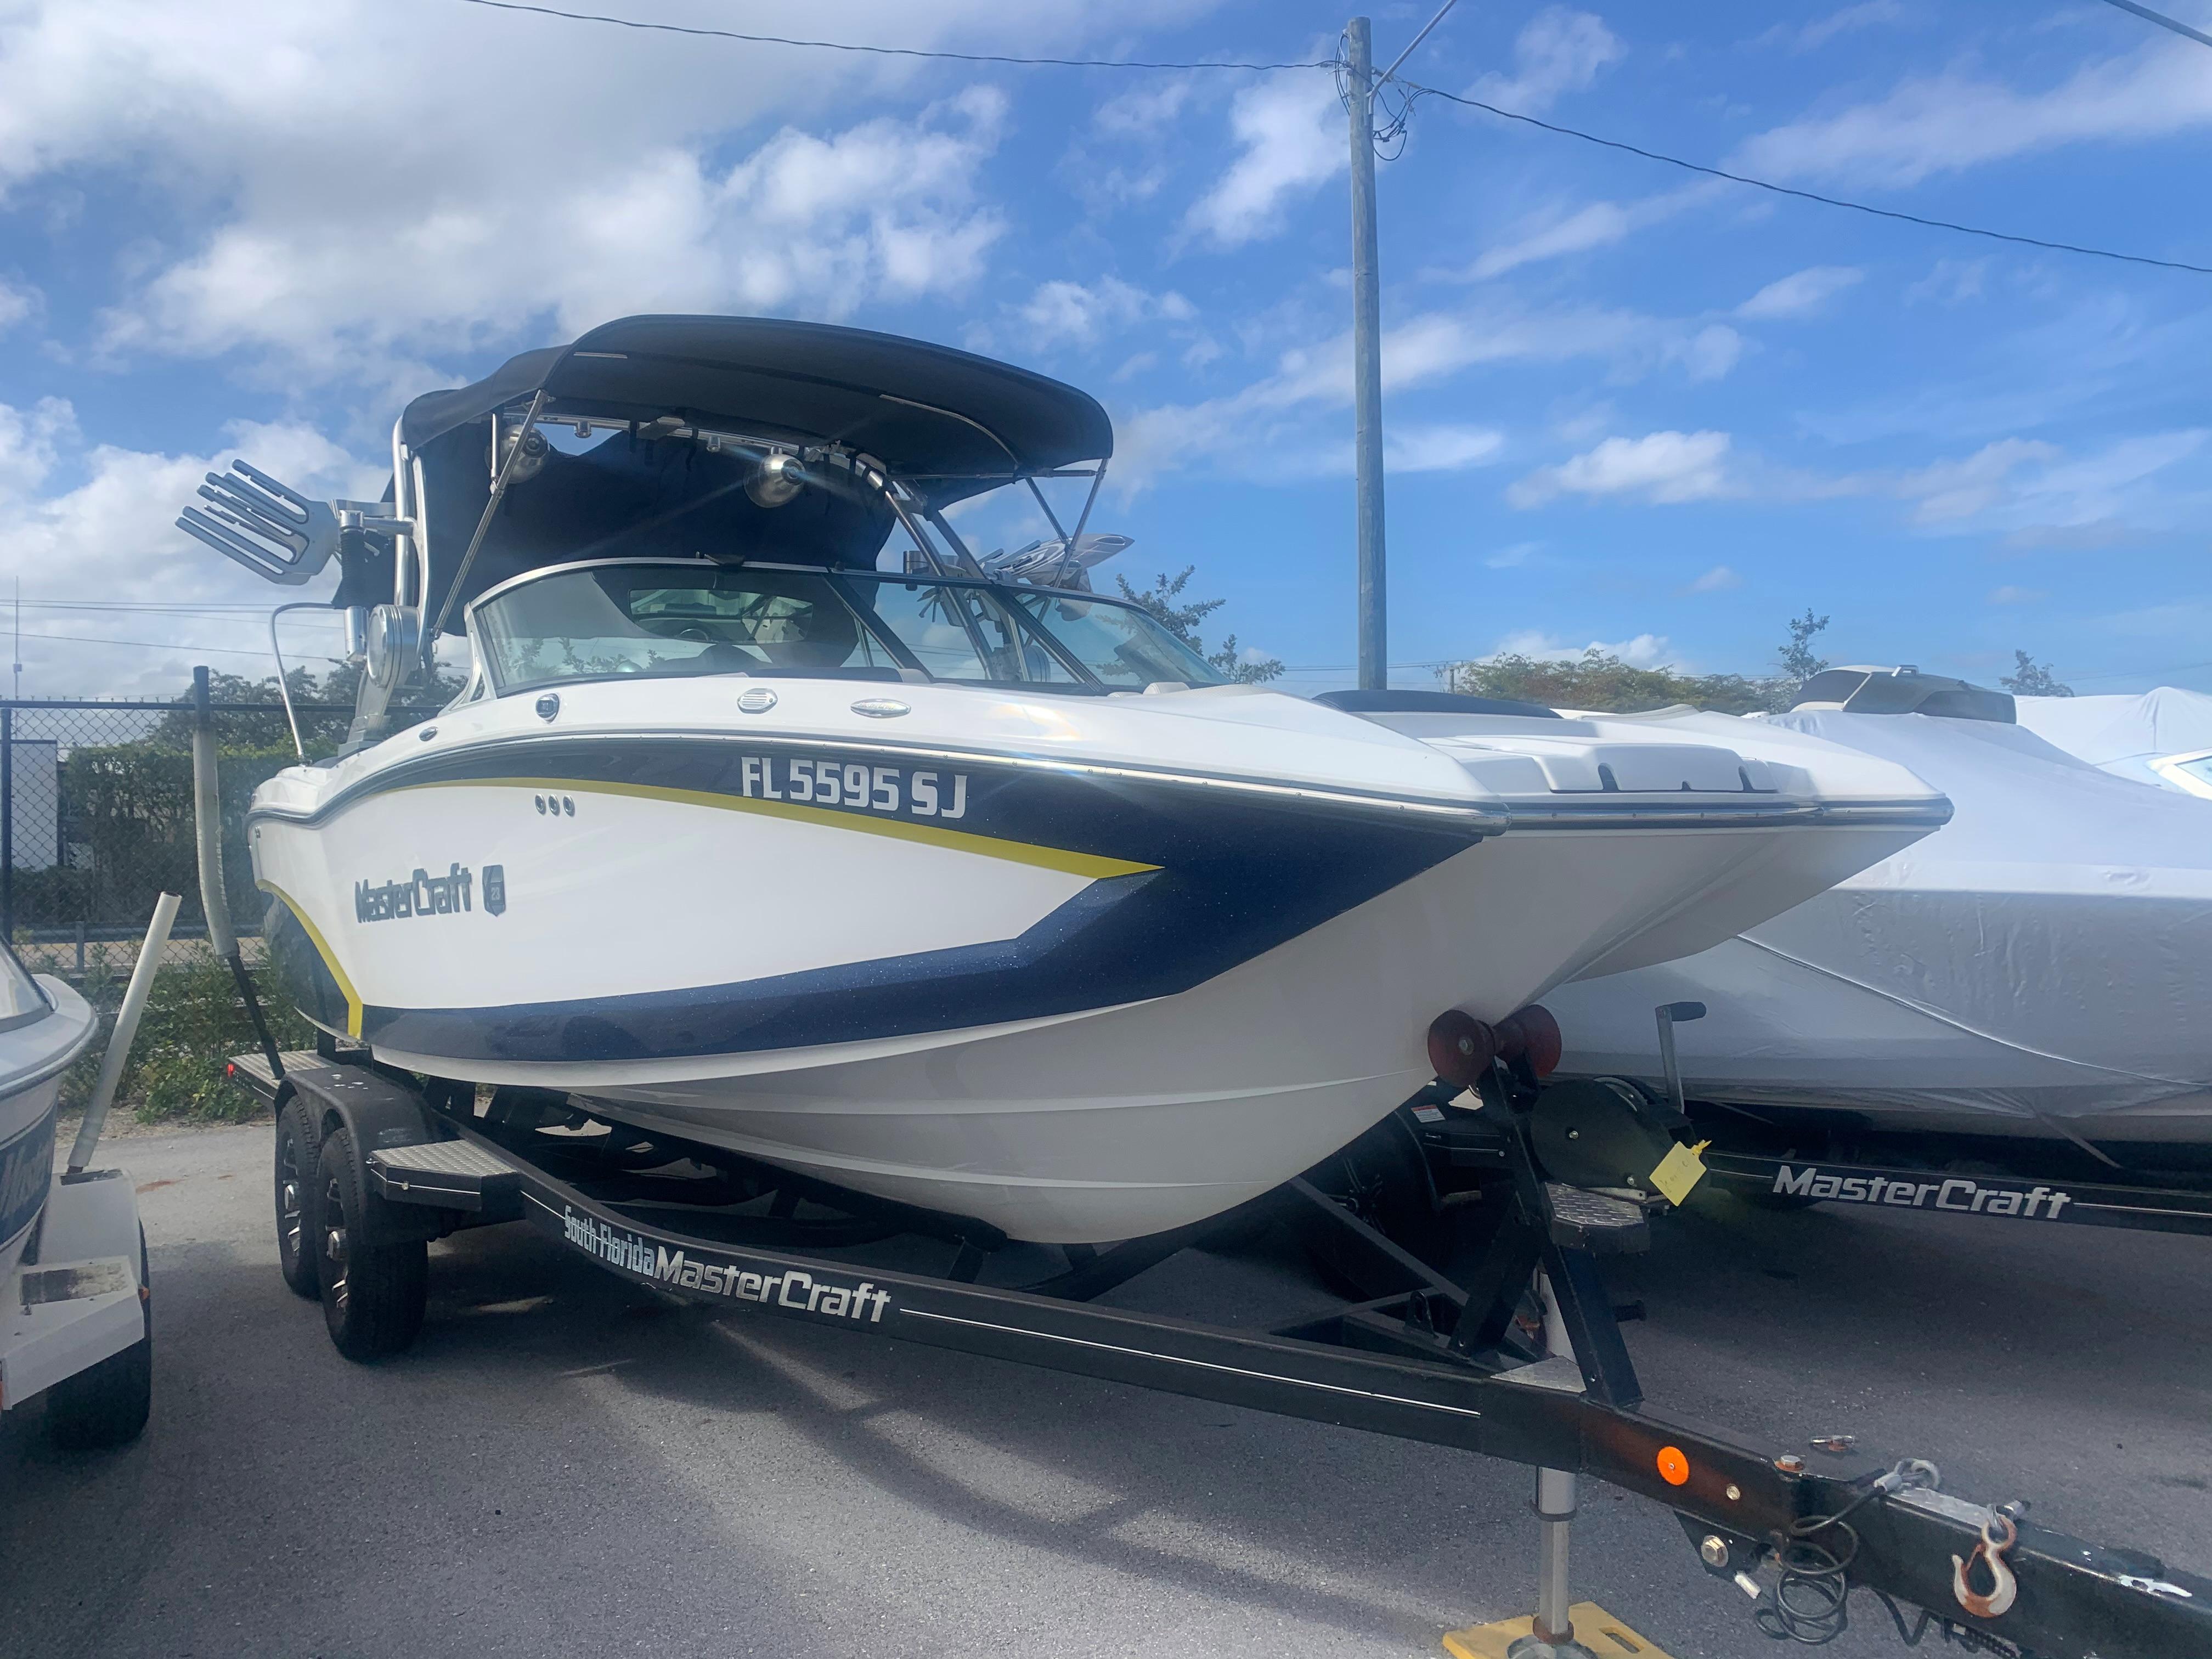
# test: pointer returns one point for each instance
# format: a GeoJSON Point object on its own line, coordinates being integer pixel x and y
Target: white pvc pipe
{"type": "Point", "coordinates": [126, 1028]}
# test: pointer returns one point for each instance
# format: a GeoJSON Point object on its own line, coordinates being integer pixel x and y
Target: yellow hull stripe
{"type": "Point", "coordinates": [322, 948]}
{"type": "Point", "coordinates": [928, 835]}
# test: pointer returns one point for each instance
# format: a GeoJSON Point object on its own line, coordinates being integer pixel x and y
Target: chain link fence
{"type": "Point", "coordinates": [96, 824]}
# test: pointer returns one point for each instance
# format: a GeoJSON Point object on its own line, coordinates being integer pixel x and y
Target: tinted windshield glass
{"type": "Point", "coordinates": [1121, 645]}
{"type": "Point", "coordinates": [603, 621]}
{"type": "Point", "coordinates": [960, 633]}
{"type": "Point", "coordinates": [671, 619]}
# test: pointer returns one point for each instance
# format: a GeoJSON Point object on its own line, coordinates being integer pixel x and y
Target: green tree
{"type": "Point", "coordinates": [1182, 617]}
{"type": "Point", "coordinates": [1600, 681]}
{"type": "Point", "coordinates": [1796, 658]}
{"type": "Point", "coordinates": [2031, 678]}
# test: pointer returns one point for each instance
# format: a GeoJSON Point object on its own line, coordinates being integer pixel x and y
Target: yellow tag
{"type": "Point", "coordinates": [1680, 1172]}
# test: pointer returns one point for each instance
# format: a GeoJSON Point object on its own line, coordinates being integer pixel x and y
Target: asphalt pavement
{"type": "Point", "coordinates": [567, 1465]}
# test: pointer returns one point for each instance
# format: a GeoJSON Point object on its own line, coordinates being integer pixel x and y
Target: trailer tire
{"type": "Point", "coordinates": [298, 1149]}
{"type": "Point", "coordinates": [108, 1404]}
{"type": "Point", "coordinates": [372, 1294]}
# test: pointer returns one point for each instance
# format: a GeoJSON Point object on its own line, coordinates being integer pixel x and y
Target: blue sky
{"type": "Point", "coordinates": [1625, 404]}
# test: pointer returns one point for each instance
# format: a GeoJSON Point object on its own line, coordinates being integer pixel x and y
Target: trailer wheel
{"type": "Point", "coordinates": [107, 1405]}
{"type": "Point", "coordinates": [297, 1147]}
{"type": "Point", "coordinates": [372, 1294]}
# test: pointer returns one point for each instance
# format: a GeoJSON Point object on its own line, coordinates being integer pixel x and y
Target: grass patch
{"type": "Point", "coordinates": [195, 1020]}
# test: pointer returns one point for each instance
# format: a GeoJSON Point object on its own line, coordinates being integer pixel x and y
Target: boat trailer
{"type": "Point", "coordinates": [1524, 1361]}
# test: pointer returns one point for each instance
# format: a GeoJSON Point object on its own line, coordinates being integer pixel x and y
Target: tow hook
{"type": "Point", "coordinates": [1998, 1536]}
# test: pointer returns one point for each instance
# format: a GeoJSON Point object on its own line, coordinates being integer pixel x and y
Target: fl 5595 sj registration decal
{"type": "Point", "coordinates": [801, 1293]}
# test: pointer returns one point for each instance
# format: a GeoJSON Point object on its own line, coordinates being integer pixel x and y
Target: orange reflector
{"type": "Point", "coordinates": [1673, 1468]}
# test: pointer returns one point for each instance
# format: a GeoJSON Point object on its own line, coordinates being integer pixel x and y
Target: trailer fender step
{"type": "Point", "coordinates": [449, 1175]}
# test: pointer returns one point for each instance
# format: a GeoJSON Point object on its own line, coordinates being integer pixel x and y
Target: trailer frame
{"type": "Point", "coordinates": [1414, 1355]}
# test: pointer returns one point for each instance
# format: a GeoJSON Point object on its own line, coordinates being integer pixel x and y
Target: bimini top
{"type": "Point", "coordinates": [953, 422]}
{"type": "Point", "coordinates": [678, 415]}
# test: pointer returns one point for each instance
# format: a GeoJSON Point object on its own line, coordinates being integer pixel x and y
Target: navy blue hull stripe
{"type": "Point", "coordinates": [1236, 876]}
{"type": "Point", "coordinates": [27, 1166]}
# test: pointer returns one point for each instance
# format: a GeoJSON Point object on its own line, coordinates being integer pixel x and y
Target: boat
{"type": "Point", "coordinates": [2161, 737]}
{"type": "Point", "coordinates": [777, 821]}
{"type": "Point", "coordinates": [44, 1027]}
{"type": "Point", "coordinates": [2037, 970]}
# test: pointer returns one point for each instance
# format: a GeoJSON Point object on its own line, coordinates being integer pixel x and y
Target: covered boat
{"type": "Point", "coordinates": [2039, 968]}
{"type": "Point", "coordinates": [2162, 736]}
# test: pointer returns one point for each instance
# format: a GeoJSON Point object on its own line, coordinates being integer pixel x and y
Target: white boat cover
{"type": "Point", "coordinates": [2123, 734]}
{"type": "Point", "coordinates": [2041, 965]}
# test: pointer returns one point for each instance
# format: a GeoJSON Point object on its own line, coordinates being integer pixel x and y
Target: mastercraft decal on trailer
{"type": "Point", "coordinates": [1953, 1193]}
{"type": "Point", "coordinates": [802, 1292]}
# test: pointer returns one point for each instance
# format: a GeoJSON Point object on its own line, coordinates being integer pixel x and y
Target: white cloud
{"type": "Point", "coordinates": [1439, 448]}
{"type": "Point", "coordinates": [1145, 112]}
{"type": "Point", "coordinates": [1290, 132]}
{"type": "Point", "coordinates": [1644, 651]}
{"type": "Point", "coordinates": [1508, 558]}
{"type": "Point", "coordinates": [30, 443]}
{"type": "Point", "coordinates": [1950, 491]}
{"type": "Point", "coordinates": [98, 520]}
{"type": "Point", "coordinates": [1801, 294]}
{"type": "Point", "coordinates": [1811, 36]}
{"type": "Point", "coordinates": [1946, 123]}
{"type": "Point", "coordinates": [1718, 579]}
{"type": "Point", "coordinates": [1064, 313]}
{"type": "Point", "coordinates": [2009, 595]}
{"type": "Point", "coordinates": [1557, 234]}
{"type": "Point", "coordinates": [1557, 52]}
{"type": "Point", "coordinates": [2039, 495]}
{"type": "Point", "coordinates": [17, 301]}
{"type": "Point", "coordinates": [1950, 282]}
{"type": "Point", "coordinates": [1257, 431]}
{"type": "Point", "coordinates": [1710, 353]}
{"type": "Point", "coordinates": [1661, 466]}
{"type": "Point", "coordinates": [349, 189]}
{"type": "Point", "coordinates": [807, 224]}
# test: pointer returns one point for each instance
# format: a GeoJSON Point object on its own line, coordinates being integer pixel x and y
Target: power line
{"type": "Point", "coordinates": [1418, 91]}
{"type": "Point", "coordinates": [2163, 21]}
{"type": "Point", "coordinates": [151, 645]}
{"type": "Point", "coordinates": [149, 608]}
{"type": "Point", "coordinates": [1413, 90]}
{"type": "Point", "coordinates": [882, 52]}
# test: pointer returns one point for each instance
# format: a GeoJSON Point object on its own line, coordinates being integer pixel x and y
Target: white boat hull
{"type": "Point", "coordinates": [32, 1057]}
{"type": "Point", "coordinates": [1076, 1126]}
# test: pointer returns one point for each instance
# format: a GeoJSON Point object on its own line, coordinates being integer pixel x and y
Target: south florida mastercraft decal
{"type": "Point", "coordinates": [801, 1293]}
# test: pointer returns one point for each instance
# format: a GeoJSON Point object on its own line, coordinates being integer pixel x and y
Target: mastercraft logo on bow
{"type": "Point", "coordinates": [420, 895]}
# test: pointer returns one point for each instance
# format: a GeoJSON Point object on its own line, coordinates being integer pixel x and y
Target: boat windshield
{"type": "Point", "coordinates": [667, 619]}
{"type": "Point", "coordinates": [22, 1001]}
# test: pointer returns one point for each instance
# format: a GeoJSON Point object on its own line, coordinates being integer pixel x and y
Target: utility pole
{"type": "Point", "coordinates": [1367, 365]}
